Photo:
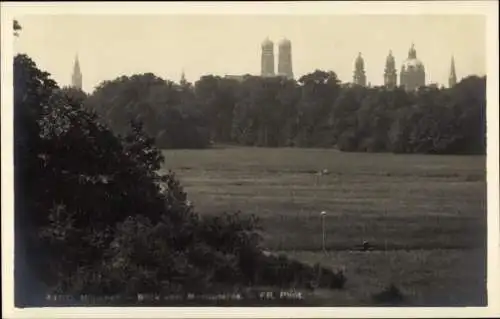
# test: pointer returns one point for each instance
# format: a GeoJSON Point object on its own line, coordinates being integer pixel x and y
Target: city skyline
{"type": "Point", "coordinates": [241, 55]}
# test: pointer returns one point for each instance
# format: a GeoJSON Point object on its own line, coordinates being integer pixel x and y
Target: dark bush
{"type": "Point", "coordinates": [390, 295]}
{"type": "Point", "coordinates": [285, 272]}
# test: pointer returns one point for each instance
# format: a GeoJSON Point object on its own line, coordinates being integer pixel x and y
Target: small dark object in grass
{"type": "Point", "coordinates": [366, 245]}
{"type": "Point", "coordinates": [391, 295]}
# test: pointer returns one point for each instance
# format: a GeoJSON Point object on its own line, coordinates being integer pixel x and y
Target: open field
{"type": "Point", "coordinates": [425, 215]}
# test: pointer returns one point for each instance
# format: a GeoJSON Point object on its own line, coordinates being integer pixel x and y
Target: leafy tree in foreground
{"type": "Point", "coordinates": [74, 179]}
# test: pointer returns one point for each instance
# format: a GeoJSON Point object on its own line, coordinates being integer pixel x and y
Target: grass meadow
{"type": "Point", "coordinates": [425, 215]}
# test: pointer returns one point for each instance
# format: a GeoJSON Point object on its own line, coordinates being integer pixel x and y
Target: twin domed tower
{"type": "Point", "coordinates": [284, 59]}
{"type": "Point", "coordinates": [412, 74]}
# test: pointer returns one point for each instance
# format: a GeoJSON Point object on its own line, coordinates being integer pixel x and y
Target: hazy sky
{"type": "Point", "coordinates": [111, 46]}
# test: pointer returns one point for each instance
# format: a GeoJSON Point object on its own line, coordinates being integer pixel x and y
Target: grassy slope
{"type": "Point", "coordinates": [426, 211]}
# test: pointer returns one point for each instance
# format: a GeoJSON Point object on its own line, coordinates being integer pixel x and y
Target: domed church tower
{"type": "Point", "coordinates": [412, 71]}
{"type": "Point", "coordinates": [359, 77]}
{"type": "Point", "coordinates": [285, 59]}
{"type": "Point", "coordinates": [390, 73]}
{"type": "Point", "coordinates": [267, 58]}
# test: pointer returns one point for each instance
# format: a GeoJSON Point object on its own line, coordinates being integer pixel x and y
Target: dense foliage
{"type": "Point", "coordinates": [315, 111]}
{"type": "Point", "coordinates": [95, 216]}
{"type": "Point", "coordinates": [170, 112]}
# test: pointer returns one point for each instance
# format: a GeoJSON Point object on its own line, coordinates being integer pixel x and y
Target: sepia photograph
{"type": "Point", "coordinates": [168, 158]}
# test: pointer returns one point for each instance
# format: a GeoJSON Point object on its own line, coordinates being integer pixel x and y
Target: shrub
{"type": "Point", "coordinates": [390, 295]}
{"type": "Point", "coordinates": [284, 272]}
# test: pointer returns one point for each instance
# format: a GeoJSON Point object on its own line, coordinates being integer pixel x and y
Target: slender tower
{"type": "Point", "coordinates": [452, 79]}
{"type": "Point", "coordinates": [183, 80]}
{"type": "Point", "coordinates": [390, 73]}
{"type": "Point", "coordinates": [76, 79]}
{"type": "Point", "coordinates": [285, 68]}
{"type": "Point", "coordinates": [267, 58]}
{"type": "Point", "coordinates": [359, 77]}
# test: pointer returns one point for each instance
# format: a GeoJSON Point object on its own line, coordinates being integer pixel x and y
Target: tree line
{"type": "Point", "coordinates": [317, 110]}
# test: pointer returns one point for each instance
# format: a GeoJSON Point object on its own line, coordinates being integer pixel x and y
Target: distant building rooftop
{"type": "Point", "coordinates": [239, 78]}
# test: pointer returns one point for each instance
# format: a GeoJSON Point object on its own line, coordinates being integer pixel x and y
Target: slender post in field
{"type": "Point", "coordinates": [323, 214]}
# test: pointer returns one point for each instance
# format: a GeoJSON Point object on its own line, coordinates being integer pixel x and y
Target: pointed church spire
{"type": "Point", "coordinates": [452, 80]}
{"type": "Point", "coordinates": [76, 79]}
{"type": "Point", "coordinates": [76, 67]}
